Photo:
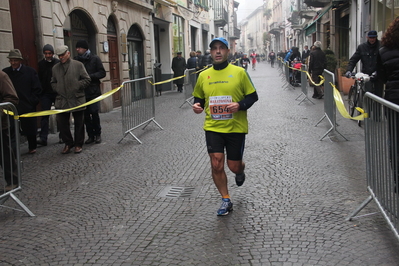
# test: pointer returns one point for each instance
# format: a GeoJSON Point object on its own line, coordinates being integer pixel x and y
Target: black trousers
{"type": "Point", "coordinates": [63, 121]}
{"type": "Point", "coordinates": [92, 119]}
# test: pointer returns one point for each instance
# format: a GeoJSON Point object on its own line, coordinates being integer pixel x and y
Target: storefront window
{"type": "Point", "coordinates": [385, 12]}
{"type": "Point", "coordinates": [178, 33]}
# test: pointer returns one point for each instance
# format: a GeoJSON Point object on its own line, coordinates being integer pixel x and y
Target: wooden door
{"type": "Point", "coordinates": [114, 69]}
{"type": "Point", "coordinates": [23, 30]}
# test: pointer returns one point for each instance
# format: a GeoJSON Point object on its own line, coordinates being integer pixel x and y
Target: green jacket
{"type": "Point", "coordinates": [69, 82]}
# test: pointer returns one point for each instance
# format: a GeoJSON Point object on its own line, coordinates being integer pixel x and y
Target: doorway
{"type": "Point", "coordinates": [113, 61]}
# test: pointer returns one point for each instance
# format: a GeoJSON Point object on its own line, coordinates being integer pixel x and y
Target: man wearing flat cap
{"type": "Point", "coordinates": [69, 81]}
{"type": "Point", "coordinates": [367, 53]}
{"type": "Point", "coordinates": [26, 83]}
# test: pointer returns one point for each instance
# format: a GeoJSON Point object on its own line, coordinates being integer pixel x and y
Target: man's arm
{"type": "Point", "coordinates": [100, 71]}
{"type": "Point", "coordinates": [354, 59]}
{"type": "Point", "coordinates": [248, 101]}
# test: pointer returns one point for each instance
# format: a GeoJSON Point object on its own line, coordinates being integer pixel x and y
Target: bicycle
{"type": "Point", "coordinates": [356, 93]}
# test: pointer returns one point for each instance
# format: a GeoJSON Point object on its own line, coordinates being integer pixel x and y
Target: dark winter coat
{"type": "Point", "coordinates": [317, 61]}
{"type": "Point", "coordinates": [7, 94]}
{"type": "Point", "coordinates": [192, 62]}
{"type": "Point", "coordinates": [305, 55]}
{"type": "Point", "coordinates": [26, 83]}
{"type": "Point", "coordinates": [367, 53]}
{"type": "Point", "coordinates": [69, 82]}
{"type": "Point", "coordinates": [96, 71]}
{"type": "Point", "coordinates": [388, 72]}
{"type": "Point", "coordinates": [178, 67]}
{"type": "Point", "coordinates": [45, 73]}
{"type": "Point", "coordinates": [206, 60]}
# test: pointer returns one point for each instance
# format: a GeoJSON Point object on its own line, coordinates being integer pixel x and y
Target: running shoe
{"type": "Point", "coordinates": [226, 207]}
{"type": "Point", "coordinates": [240, 178]}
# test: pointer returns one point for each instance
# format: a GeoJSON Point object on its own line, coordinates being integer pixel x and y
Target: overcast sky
{"type": "Point", "coordinates": [246, 7]}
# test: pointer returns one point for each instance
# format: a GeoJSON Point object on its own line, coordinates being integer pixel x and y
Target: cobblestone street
{"type": "Point", "coordinates": [111, 204]}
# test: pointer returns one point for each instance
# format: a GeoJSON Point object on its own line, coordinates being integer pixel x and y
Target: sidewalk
{"type": "Point", "coordinates": [112, 204]}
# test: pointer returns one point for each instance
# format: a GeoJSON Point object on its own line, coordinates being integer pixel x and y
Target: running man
{"type": "Point", "coordinates": [225, 92]}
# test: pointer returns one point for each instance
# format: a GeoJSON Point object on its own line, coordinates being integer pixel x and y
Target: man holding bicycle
{"type": "Point", "coordinates": [367, 53]}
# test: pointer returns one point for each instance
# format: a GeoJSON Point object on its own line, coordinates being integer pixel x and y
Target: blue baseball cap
{"type": "Point", "coordinates": [219, 39]}
{"type": "Point", "coordinates": [372, 34]}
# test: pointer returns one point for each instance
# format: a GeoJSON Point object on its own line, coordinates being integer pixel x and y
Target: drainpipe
{"type": "Point", "coordinates": [152, 42]}
{"type": "Point", "coordinates": [52, 21]}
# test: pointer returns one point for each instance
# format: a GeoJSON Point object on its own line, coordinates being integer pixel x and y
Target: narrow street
{"type": "Point", "coordinates": [112, 204]}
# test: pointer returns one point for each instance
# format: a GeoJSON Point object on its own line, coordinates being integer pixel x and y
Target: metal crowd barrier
{"type": "Point", "coordinates": [304, 85]}
{"type": "Point", "coordinates": [382, 158]}
{"type": "Point", "coordinates": [10, 158]}
{"type": "Point", "coordinates": [190, 80]}
{"type": "Point", "coordinates": [138, 105]}
{"type": "Point", "coordinates": [329, 104]}
{"type": "Point", "coordinates": [287, 77]}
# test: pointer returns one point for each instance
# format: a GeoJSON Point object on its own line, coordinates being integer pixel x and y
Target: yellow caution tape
{"type": "Point", "coordinates": [51, 112]}
{"type": "Point", "coordinates": [166, 81]}
{"type": "Point", "coordinates": [341, 106]}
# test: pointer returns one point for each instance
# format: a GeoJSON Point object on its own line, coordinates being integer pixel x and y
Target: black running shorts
{"type": "Point", "coordinates": [233, 142]}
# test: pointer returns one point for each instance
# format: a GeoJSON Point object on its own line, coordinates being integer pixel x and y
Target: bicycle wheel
{"type": "Point", "coordinates": [352, 100]}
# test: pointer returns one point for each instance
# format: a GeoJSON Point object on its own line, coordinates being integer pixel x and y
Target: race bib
{"type": "Point", "coordinates": [218, 107]}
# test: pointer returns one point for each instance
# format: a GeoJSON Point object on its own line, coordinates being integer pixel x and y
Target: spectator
{"type": "Point", "coordinates": [305, 53]}
{"type": "Point", "coordinates": [388, 73]}
{"type": "Point", "coordinates": [96, 71]}
{"type": "Point", "coordinates": [199, 56]}
{"type": "Point", "coordinates": [47, 98]}
{"type": "Point", "coordinates": [367, 53]}
{"type": "Point", "coordinates": [192, 62]}
{"type": "Point", "coordinates": [178, 67]}
{"type": "Point", "coordinates": [206, 59]}
{"type": "Point", "coordinates": [26, 83]}
{"type": "Point", "coordinates": [8, 161]}
{"type": "Point", "coordinates": [317, 64]}
{"type": "Point", "coordinates": [69, 81]}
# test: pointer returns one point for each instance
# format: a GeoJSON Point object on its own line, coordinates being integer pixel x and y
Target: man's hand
{"type": "Point", "coordinates": [233, 107]}
{"type": "Point", "coordinates": [197, 108]}
{"type": "Point", "coordinates": [373, 76]}
{"type": "Point", "coordinates": [348, 74]}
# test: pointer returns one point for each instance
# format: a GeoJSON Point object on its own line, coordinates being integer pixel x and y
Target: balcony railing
{"type": "Point", "coordinates": [221, 17]}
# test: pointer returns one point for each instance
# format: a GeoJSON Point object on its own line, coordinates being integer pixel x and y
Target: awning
{"type": "Point", "coordinates": [312, 26]}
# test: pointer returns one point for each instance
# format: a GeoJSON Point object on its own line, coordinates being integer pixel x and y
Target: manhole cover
{"type": "Point", "coordinates": [179, 192]}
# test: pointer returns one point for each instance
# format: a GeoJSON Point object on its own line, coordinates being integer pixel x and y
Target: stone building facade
{"type": "Point", "coordinates": [129, 36]}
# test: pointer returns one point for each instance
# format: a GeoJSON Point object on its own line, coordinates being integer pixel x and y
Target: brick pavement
{"type": "Point", "coordinates": [105, 206]}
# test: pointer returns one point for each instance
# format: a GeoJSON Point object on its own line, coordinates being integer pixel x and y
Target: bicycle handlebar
{"type": "Point", "coordinates": [361, 77]}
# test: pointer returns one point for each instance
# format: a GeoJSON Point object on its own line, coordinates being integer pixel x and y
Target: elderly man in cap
{"type": "Point", "coordinates": [225, 92]}
{"type": "Point", "coordinates": [367, 53]}
{"type": "Point", "coordinates": [48, 95]}
{"type": "Point", "coordinates": [69, 81]}
{"type": "Point", "coordinates": [26, 83]}
{"type": "Point", "coordinates": [179, 66]}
